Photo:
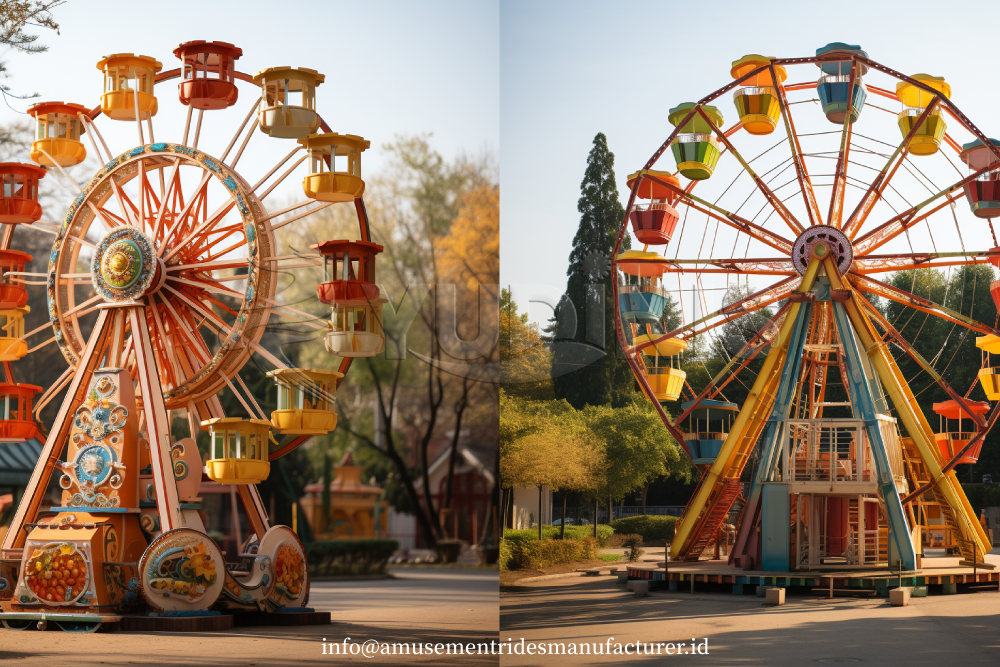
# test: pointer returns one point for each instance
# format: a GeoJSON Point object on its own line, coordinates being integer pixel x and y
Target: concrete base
{"type": "Point", "coordinates": [949, 589]}
{"type": "Point", "coordinates": [918, 592]}
{"type": "Point", "coordinates": [622, 576]}
{"type": "Point", "coordinates": [672, 585]}
{"type": "Point", "coordinates": [774, 596]}
{"type": "Point", "coordinates": [899, 597]}
{"type": "Point", "coordinates": [640, 588]}
{"type": "Point", "coordinates": [761, 590]}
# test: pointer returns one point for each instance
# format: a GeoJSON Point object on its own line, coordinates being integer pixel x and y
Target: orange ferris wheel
{"type": "Point", "coordinates": [161, 283]}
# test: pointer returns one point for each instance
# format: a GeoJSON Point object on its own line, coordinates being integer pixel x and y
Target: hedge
{"type": "Point", "coordinates": [505, 554]}
{"type": "Point", "coordinates": [349, 557]}
{"type": "Point", "coordinates": [526, 554]}
{"type": "Point", "coordinates": [604, 533]}
{"type": "Point", "coordinates": [653, 528]}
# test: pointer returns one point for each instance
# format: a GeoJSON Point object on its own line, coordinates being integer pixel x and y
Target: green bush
{"type": "Point", "coordinates": [505, 554]}
{"type": "Point", "coordinates": [633, 547]}
{"type": "Point", "coordinates": [527, 554]}
{"type": "Point", "coordinates": [604, 533]}
{"type": "Point", "coordinates": [652, 528]}
{"type": "Point", "coordinates": [349, 557]}
{"type": "Point", "coordinates": [982, 495]}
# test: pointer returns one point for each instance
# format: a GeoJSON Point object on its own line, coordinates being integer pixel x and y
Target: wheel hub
{"type": "Point", "coordinates": [125, 265]}
{"type": "Point", "coordinates": [839, 246]}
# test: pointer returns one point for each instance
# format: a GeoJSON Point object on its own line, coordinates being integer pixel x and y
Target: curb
{"type": "Point", "coordinates": [546, 577]}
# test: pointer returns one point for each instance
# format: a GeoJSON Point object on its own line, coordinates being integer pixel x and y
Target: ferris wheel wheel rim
{"type": "Point", "coordinates": [229, 358]}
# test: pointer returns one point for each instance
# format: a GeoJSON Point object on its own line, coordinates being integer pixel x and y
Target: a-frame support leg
{"type": "Point", "coordinates": [863, 403]}
{"type": "Point", "coordinates": [31, 500]}
{"type": "Point", "coordinates": [157, 433]}
{"type": "Point", "coordinates": [770, 442]}
{"type": "Point", "coordinates": [972, 533]}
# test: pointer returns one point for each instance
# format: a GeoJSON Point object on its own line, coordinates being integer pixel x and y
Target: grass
{"type": "Point", "coordinates": [610, 558]}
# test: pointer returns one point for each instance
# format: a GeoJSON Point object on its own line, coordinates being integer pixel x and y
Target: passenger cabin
{"type": "Point", "coordinates": [17, 424]}
{"type": "Point", "coordinates": [58, 128]}
{"type": "Point", "coordinates": [12, 343]}
{"type": "Point", "coordinates": [356, 329]}
{"type": "Point", "coordinates": [927, 136]}
{"type": "Point", "coordinates": [324, 182]}
{"type": "Point", "coordinates": [951, 415]}
{"type": "Point", "coordinates": [662, 364]}
{"type": "Point", "coordinates": [757, 100]}
{"type": "Point", "coordinates": [983, 192]}
{"type": "Point", "coordinates": [288, 101]}
{"type": "Point", "coordinates": [641, 297]}
{"type": "Point", "coordinates": [707, 428]}
{"type": "Point", "coordinates": [12, 291]}
{"type": "Point", "coordinates": [653, 222]}
{"type": "Point", "coordinates": [128, 86]}
{"type": "Point", "coordinates": [208, 74]}
{"type": "Point", "coordinates": [696, 148]}
{"type": "Point", "coordinates": [306, 401]}
{"type": "Point", "coordinates": [19, 194]}
{"type": "Point", "coordinates": [238, 450]}
{"type": "Point", "coordinates": [839, 96]}
{"type": "Point", "coordinates": [989, 375]}
{"type": "Point", "coordinates": [348, 270]}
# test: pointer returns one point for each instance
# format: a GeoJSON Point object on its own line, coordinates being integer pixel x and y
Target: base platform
{"type": "Point", "coordinates": [142, 623]}
{"type": "Point", "coordinates": [944, 572]}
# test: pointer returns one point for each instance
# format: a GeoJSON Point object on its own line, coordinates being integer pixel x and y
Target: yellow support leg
{"type": "Point", "coordinates": [915, 422]}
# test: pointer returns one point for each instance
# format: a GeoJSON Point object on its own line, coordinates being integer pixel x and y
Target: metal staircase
{"type": "Point", "coordinates": [717, 509]}
{"type": "Point", "coordinates": [727, 486]}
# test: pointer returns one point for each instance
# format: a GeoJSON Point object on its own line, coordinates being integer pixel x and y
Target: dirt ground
{"type": "Point", "coordinates": [936, 630]}
{"type": "Point", "coordinates": [425, 606]}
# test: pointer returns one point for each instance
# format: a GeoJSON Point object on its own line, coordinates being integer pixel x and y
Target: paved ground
{"type": "Point", "coordinates": [939, 630]}
{"type": "Point", "coordinates": [432, 605]}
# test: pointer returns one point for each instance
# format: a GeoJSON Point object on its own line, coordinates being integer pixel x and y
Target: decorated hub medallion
{"type": "Point", "coordinates": [124, 265]}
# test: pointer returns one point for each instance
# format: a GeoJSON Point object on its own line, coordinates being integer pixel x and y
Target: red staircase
{"type": "Point", "coordinates": [718, 508]}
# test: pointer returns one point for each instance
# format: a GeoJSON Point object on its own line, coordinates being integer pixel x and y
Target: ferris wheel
{"type": "Point", "coordinates": [818, 213]}
{"type": "Point", "coordinates": [161, 283]}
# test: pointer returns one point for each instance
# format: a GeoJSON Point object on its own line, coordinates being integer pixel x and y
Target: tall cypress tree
{"type": "Point", "coordinates": [588, 368]}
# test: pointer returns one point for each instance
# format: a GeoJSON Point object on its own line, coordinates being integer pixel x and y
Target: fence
{"type": "Point", "coordinates": [582, 514]}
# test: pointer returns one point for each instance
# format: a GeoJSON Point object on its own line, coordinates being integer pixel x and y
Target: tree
{"type": "Point", "coordinates": [584, 318]}
{"type": "Point", "coordinates": [15, 16]}
{"type": "Point", "coordinates": [548, 443]}
{"type": "Point", "coordinates": [949, 348]}
{"type": "Point", "coordinates": [637, 447]}
{"type": "Point", "coordinates": [525, 360]}
{"type": "Point", "coordinates": [436, 382]}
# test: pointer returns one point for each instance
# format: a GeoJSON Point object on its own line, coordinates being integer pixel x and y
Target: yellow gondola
{"type": "Point", "coordinates": [757, 102]}
{"type": "Point", "coordinates": [927, 138]}
{"type": "Point", "coordinates": [238, 448]}
{"type": "Point", "coordinates": [305, 401]}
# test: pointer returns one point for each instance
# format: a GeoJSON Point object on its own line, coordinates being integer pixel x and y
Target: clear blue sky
{"type": "Point", "coordinates": [392, 67]}
{"type": "Point", "coordinates": [571, 69]}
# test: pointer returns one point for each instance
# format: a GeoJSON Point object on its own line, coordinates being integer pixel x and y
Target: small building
{"type": "Point", "coordinates": [527, 507]}
{"type": "Point", "coordinates": [472, 488]}
{"type": "Point", "coordinates": [356, 509]}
